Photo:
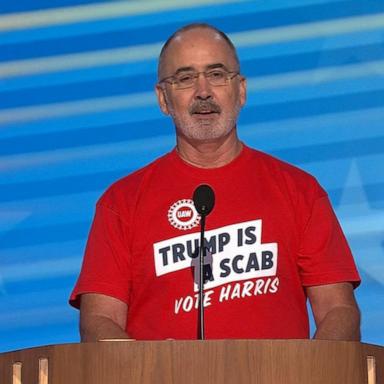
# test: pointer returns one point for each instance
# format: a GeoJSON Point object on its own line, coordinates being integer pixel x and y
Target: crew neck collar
{"type": "Point", "coordinates": [191, 169]}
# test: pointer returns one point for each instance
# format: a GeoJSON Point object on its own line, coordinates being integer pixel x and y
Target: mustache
{"type": "Point", "coordinates": [201, 106]}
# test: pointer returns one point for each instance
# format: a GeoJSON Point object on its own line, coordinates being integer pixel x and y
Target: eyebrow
{"type": "Point", "coordinates": [217, 65]}
{"type": "Point", "coordinates": [208, 67]}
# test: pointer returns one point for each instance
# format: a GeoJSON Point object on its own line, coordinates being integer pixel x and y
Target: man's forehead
{"type": "Point", "coordinates": [199, 44]}
{"type": "Point", "coordinates": [197, 47]}
{"type": "Point", "coordinates": [198, 38]}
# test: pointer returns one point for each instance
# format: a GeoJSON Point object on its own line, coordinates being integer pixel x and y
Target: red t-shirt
{"type": "Point", "coordinates": [271, 233]}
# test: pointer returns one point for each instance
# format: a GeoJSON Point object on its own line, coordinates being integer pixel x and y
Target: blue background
{"type": "Point", "coordinates": [78, 111]}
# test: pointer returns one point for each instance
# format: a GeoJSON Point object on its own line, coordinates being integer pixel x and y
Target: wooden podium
{"type": "Point", "coordinates": [185, 362]}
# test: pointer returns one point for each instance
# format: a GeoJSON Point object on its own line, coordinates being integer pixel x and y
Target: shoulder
{"type": "Point", "coordinates": [126, 190]}
{"type": "Point", "coordinates": [290, 179]}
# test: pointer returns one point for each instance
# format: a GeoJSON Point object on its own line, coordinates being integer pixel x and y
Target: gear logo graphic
{"type": "Point", "coordinates": [183, 215]}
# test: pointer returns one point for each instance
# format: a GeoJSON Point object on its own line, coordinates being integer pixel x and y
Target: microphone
{"type": "Point", "coordinates": [204, 201]}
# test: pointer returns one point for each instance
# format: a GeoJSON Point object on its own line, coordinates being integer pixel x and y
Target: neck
{"type": "Point", "coordinates": [209, 154]}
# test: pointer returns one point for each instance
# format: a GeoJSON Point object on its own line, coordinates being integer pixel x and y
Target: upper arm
{"type": "Point", "coordinates": [324, 298]}
{"type": "Point", "coordinates": [95, 304]}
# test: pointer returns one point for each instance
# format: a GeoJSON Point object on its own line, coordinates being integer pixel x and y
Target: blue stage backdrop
{"type": "Point", "coordinates": [78, 111]}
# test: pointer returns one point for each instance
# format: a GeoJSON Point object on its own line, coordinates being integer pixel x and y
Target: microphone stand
{"type": "Point", "coordinates": [201, 331]}
{"type": "Point", "coordinates": [204, 201]}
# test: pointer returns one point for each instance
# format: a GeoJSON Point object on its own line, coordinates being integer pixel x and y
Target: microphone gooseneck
{"type": "Point", "coordinates": [204, 201]}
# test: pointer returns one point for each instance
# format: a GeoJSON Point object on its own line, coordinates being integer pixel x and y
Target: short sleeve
{"type": "Point", "coordinates": [105, 266]}
{"type": "Point", "coordinates": [324, 255]}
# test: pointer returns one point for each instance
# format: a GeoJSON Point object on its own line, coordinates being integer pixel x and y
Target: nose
{"type": "Point", "coordinates": [202, 87]}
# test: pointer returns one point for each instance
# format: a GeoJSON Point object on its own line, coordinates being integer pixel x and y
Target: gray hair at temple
{"type": "Point", "coordinates": [195, 26]}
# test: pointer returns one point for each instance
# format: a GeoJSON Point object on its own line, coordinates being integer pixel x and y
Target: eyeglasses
{"type": "Point", "coordinates": [216, 77]}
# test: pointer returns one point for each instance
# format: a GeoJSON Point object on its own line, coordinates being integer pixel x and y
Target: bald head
{"type": "Point", "coordinates": [193, 31]}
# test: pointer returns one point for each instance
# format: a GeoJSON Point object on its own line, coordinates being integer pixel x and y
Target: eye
{"type": "Point", "coordinates": [185, 78]}
{"type": "Point", "coordinates": [217, 74]}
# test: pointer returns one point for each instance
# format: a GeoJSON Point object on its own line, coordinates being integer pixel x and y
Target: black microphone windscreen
{"type": "Point", "coordinates": [204, 199]}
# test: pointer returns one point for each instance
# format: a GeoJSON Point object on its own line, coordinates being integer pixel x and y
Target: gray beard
{"type": "Point", "coordinates": [205, 129]}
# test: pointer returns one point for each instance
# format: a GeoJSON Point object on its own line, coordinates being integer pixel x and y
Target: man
{"type": "Point", "coordinates": [272, 238]}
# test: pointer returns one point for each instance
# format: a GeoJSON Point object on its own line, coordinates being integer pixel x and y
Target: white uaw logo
{"type": "Point", "coordinates": [183, 215]}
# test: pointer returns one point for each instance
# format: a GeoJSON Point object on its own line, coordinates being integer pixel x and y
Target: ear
{"type": "Point", "coordinates": [243, 90]}
{"type": "Point", "coordinates": [162, 99]}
